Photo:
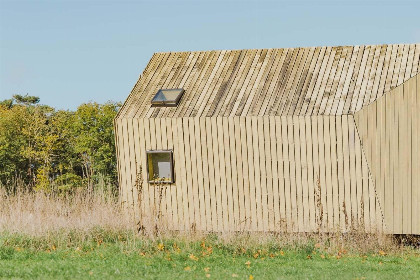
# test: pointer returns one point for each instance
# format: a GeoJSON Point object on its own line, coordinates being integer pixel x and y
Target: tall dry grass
{"type": "Point", "coordinates": [52, 218]}
{"type": "Point", "coordinates": [40, 213]}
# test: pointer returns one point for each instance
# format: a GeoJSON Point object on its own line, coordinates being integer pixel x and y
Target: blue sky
{"type": "Point", "coordinates": [71, 52]}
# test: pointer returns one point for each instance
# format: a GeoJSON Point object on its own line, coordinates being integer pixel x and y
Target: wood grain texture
{"type": "Point", "coordinates": [395, 132]}
{"type": "Point", "coordinates": [299, 81]}
{"type": "Point", "coordinates": [271, 173]}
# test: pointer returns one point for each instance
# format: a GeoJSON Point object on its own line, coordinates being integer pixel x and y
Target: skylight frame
{"type": "Point", "coordinates": [167, 103]}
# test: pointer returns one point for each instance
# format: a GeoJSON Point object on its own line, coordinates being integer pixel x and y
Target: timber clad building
{"type": "Point", "coordinates": [296, 139]}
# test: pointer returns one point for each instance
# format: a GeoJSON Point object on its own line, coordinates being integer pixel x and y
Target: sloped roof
{"type": "Point", "coordinates": [291, 81]}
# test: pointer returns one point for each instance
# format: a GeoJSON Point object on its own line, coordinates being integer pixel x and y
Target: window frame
{"type": "Point", "coordinates": [173, 103]}
{"type": "Point", "coordinates": [171, 155]}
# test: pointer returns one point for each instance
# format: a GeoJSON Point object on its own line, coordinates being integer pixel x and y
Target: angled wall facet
{"type": "Point", "coordinates": [389, 129]}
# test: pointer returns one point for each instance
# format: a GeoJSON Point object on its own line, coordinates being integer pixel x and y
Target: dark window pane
{"type": "Point", "coordinates": [167, 97]}
{"type": "Point", "coordinates": [160, 166]}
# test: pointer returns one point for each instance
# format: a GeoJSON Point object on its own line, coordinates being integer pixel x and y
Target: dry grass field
{"type": "Point", "coordinates": [88, 236]}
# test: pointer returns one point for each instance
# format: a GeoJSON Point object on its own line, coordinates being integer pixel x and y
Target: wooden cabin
{"type": "Point", "coordinates": [296, 139]}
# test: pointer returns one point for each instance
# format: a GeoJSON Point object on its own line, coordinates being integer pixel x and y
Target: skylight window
{"type": "Point", "coordinates": [167, 97]}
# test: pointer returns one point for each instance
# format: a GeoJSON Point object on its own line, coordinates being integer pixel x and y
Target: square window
{"type": "Point", "coordinates": [167, 97]}
{"type": "Point", "coordinates": [160, 166]}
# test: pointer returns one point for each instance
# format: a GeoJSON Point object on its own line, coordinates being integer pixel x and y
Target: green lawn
{"type": "Point", "coordinates": [172, 259]}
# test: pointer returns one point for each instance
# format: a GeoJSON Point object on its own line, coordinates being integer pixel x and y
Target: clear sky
{"type": "Point", "coordinates": [71, 52]}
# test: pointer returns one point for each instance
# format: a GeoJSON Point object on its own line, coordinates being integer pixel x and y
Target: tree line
{"type": "Point", "coordinates": [45, 149]}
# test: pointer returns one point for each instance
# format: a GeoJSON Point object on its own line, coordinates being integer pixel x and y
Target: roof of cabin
{"type": "Point", "coordinates": [291, 81]}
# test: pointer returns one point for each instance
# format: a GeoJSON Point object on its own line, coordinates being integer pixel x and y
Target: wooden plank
{"type": "Point", "coordinates": [292, 174]}
{"type": "Point", "coordinates": [177, 190]}
{"type": "Point", "coordinates": [302, 86]}
{"type": "Point", "coordinates": [262, 174]}
{"type": "Point", "coordinates": [362, 89]}
{"type": "Point", "coordinates": [181, 158]}
{"type": "Point", "coordinates": [240, 214]}
{"type": "Point", "coordinates": [251, 171]}
{"type": "Point", "coordinates": [385, 71]}
{"type": "Point", "coordinates": [416, 156]}
{"type": "Point", "coordinates": [276, 171]}
{"type": "Point", "coordinates": [316, 77]}
{"type": "Point", "coordinates": [353, 80]}
{"type": "Point", "coordinates": [328, 173]}
{"type": "Point", "coordinates": [196, 173]}
{"type": "Point", "coordinates": [190, 190]}
{"type": "Point", "coordinates": [282, 222]}
{"type": "Point", "coordinates": [343, 83]}
{"type": "Point", "coordinates": [244, 125]}
{"type": "Point", "coordinates": [255, 93]}
{"type": "Point", "coordinates": [340, 173]}
{"type": "Point", "coordinates": [318, 91]}
{"type": "Point", "coordinates": [310, 161]}
{"type": "Point", "coordinates": [228, 174]}
{"type": "Point", "coordinates": [404, 61]}
{"type": "Point", "coordinates": [284, 76]}
{"type": "Point", "coordinates": [217, 175]}
{"type": "Point", "coordinates": [333, 80]}
{"type": "Point", "coordinates": [334, 172]}
{"type": "Point", "coordinates": [380, 74]}
{"type": "Point", "coordinates": [249, 84]}
{"type": "Point", "coordinates": [405, 155]}
{"type": "Point", "coordinates": [389, 192]}
{"type": "Point", "coordinates": [272, 93]}
{"type": "Point", "coordinates": [310, 80]}
{"type": "Point", "coordinates": [359, 80]}
{"type": "Point", "coordinates": [222, 173]}
{"type": "Point", "coordinates": [347, 173]}
{"type": "Point", "coordinates": [197, 83]}
{"type": "Point", "coordinates": [396, 160]}
{"type": "Point", "coordinates": [375, 71]}
{"type": "Point", "coordinates": [305, 170]}
{"type": "Point", "coordinates": [257, 171]}
{"type": "Point", "coordinates": [390, 73]}
{"type": "Point", "coordinates": [322, 172]}
{"type": "Point", "coordinates": [226, 90]}
{"type": "Point", "coordinates": [219, 89]}
{"type": "Point", "coordinates": [204, 147]}
{"type": "Point", "coordinates": [200, 169]}
{"type": "Point", "coordinates": [298, 173]}
{"type": "Point", "coordinates": [294, 92]}
{"type": "Point", "coordinates": [284, 101]}
{"type": "Point", "coordinates": [267, 161]}
{"type": "Point", "coordinates": [241, 82]}
{"type": "Point", "coordinates": [263, 92]}
{"type": "Point", "coordinates": [359, 180]}
{"type": "Point", "coordinates": [317, 175]}
{"type": "Point", "coordinates": [234, 165]}
{"type": "Point", "coordinates": [196, 109]}
{"type": "Point", "coordinates": [172, 190]}
{"type": "Point", "coordinates": [235, 81]}
{"type": "Point", "coordinates": [353, 142]}
{"type": "Point", "coordinates": [286, 165]}
{"type": "Point", "coordinates": [213, 186]}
